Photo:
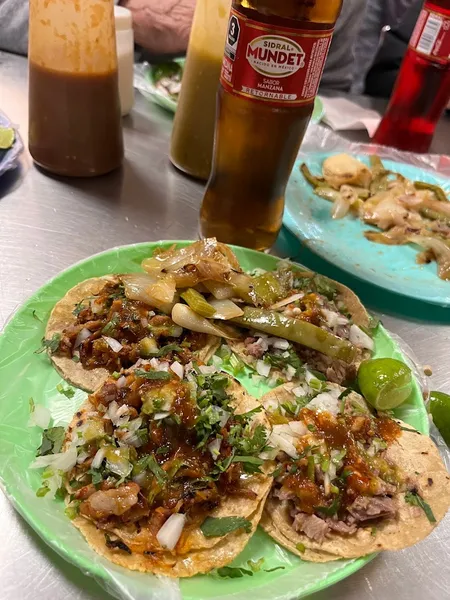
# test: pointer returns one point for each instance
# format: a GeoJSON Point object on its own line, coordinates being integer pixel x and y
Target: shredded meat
{"type": "Point", "coordinates": [336, 371]}
{"type": "Point", "coordinates": [253, 347]}
{"type": "Point", "coordinates": [314, 527]}
{"type": "Point", "coordinates": [341, 527]}
{"type": "Point", "coordinates": [366, 508]}
{"type": "Point", "coordinates": [103, 504]}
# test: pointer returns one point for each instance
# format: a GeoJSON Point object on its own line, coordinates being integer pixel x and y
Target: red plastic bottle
{"type": "Point", "coordinates": [422, 89]}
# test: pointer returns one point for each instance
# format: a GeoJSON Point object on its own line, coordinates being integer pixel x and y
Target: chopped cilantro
{"type": "Point", "coordinates": [60, 493]}
{"type": "Point", "coordinates": [301, 547]}
{"type": "Point", "coordinates": [251, 463]}
{"type": "Point", "coordinates": [96, 475]}
{"type": "Point", "coordinates": [416, 500]}
{"type": "Point", "coordinates": [220, 526]}
{"type": "Point", "coordinates": [52, 344]}
{"type": "Point", "coordinates": [112, 325]}
{"type": "Point", "coordinates": [166, 350]}
{"type": "Point", "coordinates": [68, 392]}
{"type": "Point", "coordinates": [35, 316]}
{"type": "Point", "coordinates": [255, 565]}
{"type": "Point", "coordinates": [280, 568]}
{"type": "Point", "coordinates": [31, 405]}
{"type": "Point", "coordinates": [158, 472]}
{"type": "Point", "coordinates": [76, 358]}
{"type": "Point", "coordinates": [330, 511]}
{"type": "Point", "coordinates": [277, 472]}
{"type": "Point", "coordinates": [52, 441]}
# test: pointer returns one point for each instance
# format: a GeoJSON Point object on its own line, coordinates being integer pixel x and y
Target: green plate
{"type": "Point", "coordinates": [171, 105]}
{"type": "Point", "coordinates": [26, 375]}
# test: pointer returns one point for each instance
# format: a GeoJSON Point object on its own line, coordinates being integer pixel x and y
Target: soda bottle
{"type": "Point", "coordinates": [274, 58]}
{"type": "Point", "coordinates": [422, 89]}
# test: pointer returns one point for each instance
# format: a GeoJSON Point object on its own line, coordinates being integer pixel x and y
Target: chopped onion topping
{"type": "Point", "coordinates": [98, 458]}
{"type": "Point", "coordinates": [262, 368]}
{"type": "Point", "coordinates": [171, 531]}
{"type": "Point", "coordinates": [214, 448]}
{"type": "Point", "coordinates": [331, 318]}
{"type": "Point", "coordinates": [113, 344]}
{"type": "Point", "coordinates": [178, 369]}
{"type": "Point", "coordinates": [298, 428]}
{"type": "Point", "coordinates": [299, 392]}
{"type": "Point", "coordinates": [40, 417]}
{"type": "Point", "coordinates": [360, 338]}
{"type": "Point", "coordinates": [82, 335]}
{"type": "Point", "coordinates": [290, 372]}
{"type": "Point", "coordinates": [280, 343]}
{"type": "Point", "coordinates": [161, 415]}
{"type": "Point", "coordinates": [287, 301]}
{"type": "Point", "coordinates": [140, 478]}
{"type": "Point", "coordinates": [283, 444]}
{"type": "Point", "coordinates": [64, 461]}
{"type": "Point", "coordinates": [325, 402]}
{"type": "Point", "coordinates": [154, 363]}
{"type": "Point", "coordinates": [121, 381]}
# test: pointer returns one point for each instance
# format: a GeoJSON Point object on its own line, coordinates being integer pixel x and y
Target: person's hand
{"type": "Point", "coordinates": [161, 26]}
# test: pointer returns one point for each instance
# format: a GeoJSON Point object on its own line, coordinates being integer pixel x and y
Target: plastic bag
{"type": "Point", "coordinates": [322, 139]}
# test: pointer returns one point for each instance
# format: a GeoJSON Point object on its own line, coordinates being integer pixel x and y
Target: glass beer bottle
{"type": "Point", "coordinates": [274, 58]}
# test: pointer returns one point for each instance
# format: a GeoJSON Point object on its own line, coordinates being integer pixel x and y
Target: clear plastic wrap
{"type": "Point", "coordinates": [322, 139]}
{"type": "Point", "coordinates": [25, 374]}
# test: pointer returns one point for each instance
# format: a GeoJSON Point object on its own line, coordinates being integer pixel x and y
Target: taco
{"type": "Point", "coordinates": [349, 482]}
{"type": "Point", "coordinates": [310, 300]}
{"type": "Point", "coordinates": [165, 474]}
{"type": "Point", "coordinates": [108, 323]}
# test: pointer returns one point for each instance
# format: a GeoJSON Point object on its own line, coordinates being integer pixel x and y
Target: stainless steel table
{"type": "Point", "coordinates": [47, 223]}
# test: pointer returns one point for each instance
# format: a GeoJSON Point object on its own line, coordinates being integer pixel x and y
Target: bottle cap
{"type": "Point", "coordinates": [122, 17]}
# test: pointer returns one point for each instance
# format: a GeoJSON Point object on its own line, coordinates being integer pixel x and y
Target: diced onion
{"type": "Point", "coordinates": [115, 345]}
{"type": "Point", "coordinates": [287, 301]}
{"type": "Point", "coordinates": [154, 363]}
{"type": "Point", "coordinates": [331, 318]}
{"type": "Point", "coordinates": [325, 402]}
{"type": "Point", "coordinates": [178, 369]}
{"type": "Point", "coordinates": [214, 448]}
{"type": "Point", "coordinates": [161, 415]}
{"type": "Point", "coordinates": [140, 478]}
{"type": "Point", "coordinates": [98, 458]}
{"type": "Point", "coordinates": [298, 428]}
{"type": "Point", "coordinates": [290, 372]}
{"type": "Point", "coordinates": [82, 335]}
{"type": "Point", "coordinates": [121, 467]}
{"type": "Point", "coordinates": [171, 531]}
{"type": "Point", "coordinates": [64, 461]}
{"type": "Point", "coordinates": [280, 344]}
{"type": "Point", "coordinates": [360, 338]}
{"type": "Point", "coordinates": [121, 381]}
{"type": "Point", "coordinates": [40, 417]}
{"type": "Point", "coordinates": [282, 443]}
{"type": "Point", "coordinates": [262, 368]}
{"type": "Point", "coordinates": [225, 309]}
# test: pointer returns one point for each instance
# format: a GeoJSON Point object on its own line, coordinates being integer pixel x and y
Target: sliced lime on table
{"type": "Point", "coordinates": [385, 382]}
{"type": "Point", "coordinates": [439, 408]}
{"type": "Point", "coordinates": [7, 137]}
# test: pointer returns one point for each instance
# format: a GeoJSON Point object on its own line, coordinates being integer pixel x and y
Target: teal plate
{"type": "Point", "coordinates": [26, 375]}
{"type": "Point", "coordinates": [342, 241]}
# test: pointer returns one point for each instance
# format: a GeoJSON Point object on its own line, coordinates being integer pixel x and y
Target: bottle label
{"type": "Point", "coordinates": [431, 36]}
{"type": "Point", "coordinates": [276, 65]}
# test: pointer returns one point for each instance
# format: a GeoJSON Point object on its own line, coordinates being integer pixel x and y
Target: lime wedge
{"type": "Point", "coordinates": [7, 137]}
{"type": "Point", "coordinates": [385, 382]}
{"type": "Point", "coordinates": [440, 410]}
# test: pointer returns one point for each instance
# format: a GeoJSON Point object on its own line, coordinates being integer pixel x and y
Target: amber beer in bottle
{"type": "Point", "coordinates": [274, 58]}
